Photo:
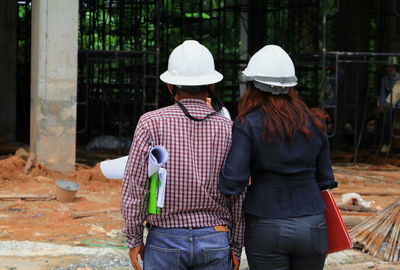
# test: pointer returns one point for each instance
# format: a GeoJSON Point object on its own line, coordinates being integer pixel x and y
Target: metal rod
{"type": "Point", "coordinates": [363, 123]}
{"type": "Point", "coordinates": [363, 53]}
{"type": "Point", "coordinates": [121, 75]}
{"type": "Point", "coordinates": [157, 28]}
{"type": "Point", "coordinates": [336, 97]}
{"type": "Point", "coordinates": [324, 14]}
{"type": "Point", "coordinates": [86, 101]}
{"type": "Point", "coordinates": [395, 109]}
{"type": "Point", "coordinates": [356, 91]}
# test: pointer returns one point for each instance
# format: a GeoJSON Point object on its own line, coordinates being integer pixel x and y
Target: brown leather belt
{"type": "Point", "coordinates": [221, 228]}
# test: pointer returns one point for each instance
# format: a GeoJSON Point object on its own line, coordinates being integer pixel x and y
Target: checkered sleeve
{"type": "Point", "coordinates": [238, 224]}
{"type": "Point", "coordinates": [135, 186]}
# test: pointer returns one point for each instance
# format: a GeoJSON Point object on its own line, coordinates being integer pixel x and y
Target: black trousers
{"type": "Point", "coordinates": [286, 244]}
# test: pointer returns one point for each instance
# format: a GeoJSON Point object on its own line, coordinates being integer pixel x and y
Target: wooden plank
{"type": "Point", "coordinates": [356, 208]}
{"type": "Point", "coordinates": [367, 192]}
{"type": "Point", "coordinates": [27, 197]}
{"type": "Point", "coordinates": [361, 214]}
{"type": "Point", "coordinates": [89, 213]}
{"type": "Point", "coordinates": [371, 177]}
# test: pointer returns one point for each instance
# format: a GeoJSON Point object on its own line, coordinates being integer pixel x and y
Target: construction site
{"type": "Point", "coordinates": [76, 76]}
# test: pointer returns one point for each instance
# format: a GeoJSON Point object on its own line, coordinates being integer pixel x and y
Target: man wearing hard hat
{"type": "Point", "coordinates": [389, 84]}
{"type": "Point", "coordinates": [198, 227]}
{"type": "Point", "coordinates": [389, 96]}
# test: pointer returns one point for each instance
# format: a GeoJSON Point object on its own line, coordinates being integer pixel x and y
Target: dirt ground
{"type": "Point", "coordinates": [54, 222]}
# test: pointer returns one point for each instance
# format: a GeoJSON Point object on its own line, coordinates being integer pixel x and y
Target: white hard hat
{"type": "Point", "coordinates": [191, 64]}
{"type": "Point", "coordinates": [271, 66]}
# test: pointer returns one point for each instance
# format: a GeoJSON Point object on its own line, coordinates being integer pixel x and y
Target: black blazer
{"type": "Point", "coordinates": [286, 176]}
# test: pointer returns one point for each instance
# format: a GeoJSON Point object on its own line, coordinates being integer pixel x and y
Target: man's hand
{"type": "Point", "coordinates": [235, 261]}
{"type": "Point", "coordinates": [133, 254]}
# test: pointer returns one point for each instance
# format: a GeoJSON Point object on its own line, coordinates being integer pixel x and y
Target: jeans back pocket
{"type": "Point", "coordinates": [161, 258]}
{"type": "Point", "coordinates": [217, 258]}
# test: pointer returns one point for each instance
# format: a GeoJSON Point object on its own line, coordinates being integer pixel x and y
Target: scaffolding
{"type": "Point", "coordinates": [118, 65]}
{"type": "Point", "coordinates": [124, 46]}
{"type": "Point", "coordinates": [215, 24]}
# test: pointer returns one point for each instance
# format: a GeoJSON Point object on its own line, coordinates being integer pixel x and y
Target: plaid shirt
{"type": "Point", "coordinates": [197, 152]}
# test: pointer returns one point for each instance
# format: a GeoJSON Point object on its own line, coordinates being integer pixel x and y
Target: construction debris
{"type": "Point", "coordinates": [354, 198]}
{"type": "Point", "coordinates": [22, 152]}
{"type": "Point", "coordinates": [356, 208]}
{"type": "Point", "coordinates": [115, 234]}
{"type": "Point", "coordinates": [352, 221]}
{"type": "Point", "coordinates": [83, 214]}
{"type": "Point", "coordinates": [354, 202]}
{"type": "Point", "coordinates": [99, 201]}
{"type": "Point", "coordinates": [29, 163]}
{"type": "Point", "coordinates": [380, 234]}
{"type": "Point", "coordinates": [94, 229]}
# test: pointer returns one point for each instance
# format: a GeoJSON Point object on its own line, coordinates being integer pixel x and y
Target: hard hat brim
{"type": "Point", "coordinates": [278, 84]}
{"type": "Point", "coordinates": [212, 78]}
{"type": "Point", "coordinates": [246, 76]}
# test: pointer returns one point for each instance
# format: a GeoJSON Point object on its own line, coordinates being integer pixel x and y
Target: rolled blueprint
{"type": "Point", "coordinates": [158, 156]}
{"type": "Point", "coordinates": [114, 168]}
{"type": "Point", "coordinates": [162, 178]}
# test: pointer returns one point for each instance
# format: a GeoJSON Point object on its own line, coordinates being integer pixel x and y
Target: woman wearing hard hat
{"type": "Point", "coordinates": [282, 146]}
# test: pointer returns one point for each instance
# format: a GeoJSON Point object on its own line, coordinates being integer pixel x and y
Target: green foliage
{"type": "Point", "coordinates": [197, 15]}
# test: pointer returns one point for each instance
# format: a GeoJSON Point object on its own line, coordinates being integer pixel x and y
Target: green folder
{"type": "Point", "coordinates": [152, 207]}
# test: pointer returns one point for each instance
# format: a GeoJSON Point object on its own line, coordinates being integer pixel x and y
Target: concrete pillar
{"type": "Point", "coordinates": [8, 67]}
{"type": "Point", "coordinates": [54, 82]}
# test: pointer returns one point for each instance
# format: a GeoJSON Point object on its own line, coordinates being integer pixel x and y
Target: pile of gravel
{"type": "Point", "coordinates": [104, 263]}
{"type": "Point", "coordinates": [35, 249]}
{"type": "Point", "coordinates": [92, 258]}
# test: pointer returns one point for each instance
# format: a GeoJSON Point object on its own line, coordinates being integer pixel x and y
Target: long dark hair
{"type": "Point", "coordinates": [283, 114]}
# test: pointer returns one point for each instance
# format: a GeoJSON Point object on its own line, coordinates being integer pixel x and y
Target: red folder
{"type": "Point", "coordinates": [338, 236]}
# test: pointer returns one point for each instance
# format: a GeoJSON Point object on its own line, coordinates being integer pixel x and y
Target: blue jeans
{"type": "Point", "coordinates": [186, 248]}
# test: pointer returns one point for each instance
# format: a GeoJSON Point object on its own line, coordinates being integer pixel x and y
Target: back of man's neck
{"type": "Point", "coordinates": [180, 96]}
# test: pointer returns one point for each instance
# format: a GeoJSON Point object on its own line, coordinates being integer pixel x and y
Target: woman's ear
{"type": "Point", "coordinates": [211, 87]}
